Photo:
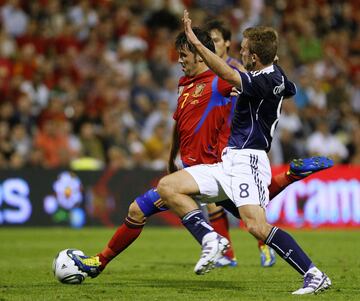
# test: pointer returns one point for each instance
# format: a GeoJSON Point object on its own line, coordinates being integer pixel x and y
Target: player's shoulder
{"type": "Point", "coordinates": [269, 74]}
{"type": "Point", "coordinates": [265, 72]}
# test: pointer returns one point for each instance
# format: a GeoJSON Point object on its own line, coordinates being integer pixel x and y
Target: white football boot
{"type": "Point", "coordinates": [315, 281]}
{"type": "Point", "coordinates": [213, 247]}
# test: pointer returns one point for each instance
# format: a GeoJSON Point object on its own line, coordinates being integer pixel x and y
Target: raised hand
{"type": "Point", "coordinates": [188, 30]}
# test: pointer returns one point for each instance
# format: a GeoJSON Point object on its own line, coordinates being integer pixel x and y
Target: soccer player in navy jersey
{"type": "Point", "coordinates": [200, 116]}
{"type": "Point", "coordinates": [221, 37]}
{"type": "Point", "coordinates": [244, 173]}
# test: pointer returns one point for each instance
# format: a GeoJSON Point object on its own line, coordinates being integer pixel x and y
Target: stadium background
{"type": "Point", "coordinates": [87, 91]}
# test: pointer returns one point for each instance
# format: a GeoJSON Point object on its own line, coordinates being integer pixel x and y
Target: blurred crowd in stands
{"type": "Point", "coordinates": [94, 83]}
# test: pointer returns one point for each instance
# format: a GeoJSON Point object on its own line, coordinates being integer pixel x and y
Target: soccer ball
{"type": "Point", "coordinates": [64, 267]}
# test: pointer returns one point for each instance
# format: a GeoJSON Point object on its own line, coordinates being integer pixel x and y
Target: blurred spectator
{"type": "Point", "coordinates": [37, 91]}
{"type": "Point", "coordinates": [290, 149]}
{"type": "Point", "coordinates": [53, 144]}
{"type": "Point", "coordinates": [316, 94]}
{"type": "Point", "coordinates": [160, 116]}
{"type": "Point", "coordinates": [137, 149]}
{"type": "Point", "coordinates": [6, 147]}
{"type": "Point", "coordinates": [74, 142]}
{"type": "Point", "coordinates": [7, 112]}
{"type": "Point", "coordinates": [301, 97]}
{"type": "Point", "coordinates": [14, 18]}
{"type": "Point", "coordinates": [23, 114]}
{"type": "Point", "coordinates": [118, 158]}
{"type": "Point", "coordinates": [322, 142]}
{"type": "Point", "coordinates": [156, 145]}
{"type": "Point", "coordinates": [17, 161]}
{"type": "Point", "coordinates": [20, 140]}
{"type": "Point", "coordinates": [339, 92]}
{"type": "Point", "coordinates": [355, 147]}
{"type": "Point", "coordinates": [8, 48]}
{"type": "Point", "coordinates": [91, 145]}
{"type": "Point", "coordinates": [169, 92]}
{"type": "Point", "coordinates": [309, 44]}
{"type": "Point", "coordinates": [355, 94]}
{"type": "Point", "coordinates": [26, 63]}
{"type": "Point", "coordinates": [36, 158]}
{"type": "Point", "coordinates": [289, 118]}
{"type": "Point", "coordinates": [55, 111]}
{"type": "Point", "coordinates": [84, 17]}
{"type": "Point", "coordinates": [114, 131]}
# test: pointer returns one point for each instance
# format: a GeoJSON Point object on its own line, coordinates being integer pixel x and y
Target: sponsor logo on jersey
{"type": "Point", "coordinates": [278, 89]}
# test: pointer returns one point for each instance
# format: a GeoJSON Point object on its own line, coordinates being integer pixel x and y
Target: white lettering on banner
{"type": "Point", "coordinates": [317, 202]}
{"type": "Point", "coordinates": [15, 193]}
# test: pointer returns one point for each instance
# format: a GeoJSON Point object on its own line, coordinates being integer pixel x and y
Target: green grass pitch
{"type": "Point", "coordinates": [159, 266]}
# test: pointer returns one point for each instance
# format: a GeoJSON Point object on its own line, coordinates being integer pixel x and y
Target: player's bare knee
{"type": "Point", "coordinates": [136, 213]}
{"type": "Point", "coordinates": [165, 189]}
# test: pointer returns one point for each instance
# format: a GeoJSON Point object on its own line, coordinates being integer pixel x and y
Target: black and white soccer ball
{"type": "Point", "coordinates": [64, 267]}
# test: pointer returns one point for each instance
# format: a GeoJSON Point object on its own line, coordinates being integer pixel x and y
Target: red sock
{"type": "Point", "coordinates": [260, 243]}
{"type": "Point", "coordinates": [280, 182]}
{"type": "Point", "coordinates": [123, 237]}
{"type": "Point", "coordinates": [220, 223]}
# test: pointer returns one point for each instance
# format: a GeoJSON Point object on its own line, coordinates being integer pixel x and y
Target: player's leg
{"type": "Point", "coordinates": [284, 244]}
{"type": "Point", "coordinates": [298, 170]}
{"type": "Point", "coordinates": [175, 190]}
{"type": "Point", "coordinates": [249, 192]}
{"type": "Point", "coordinates": [219, 221]}
{"type": "Point", "coordinates": [124, 235]}
{"type": "Point", "coordinates": [144, 206]}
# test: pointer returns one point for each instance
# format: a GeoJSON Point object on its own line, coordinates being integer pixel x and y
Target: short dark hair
{"type": "Point", "coordinates": [203, 36]}
{"type": "Point", "coordinates": [263, 41]}
{"type": "Point", "coordinates": [220, 26]}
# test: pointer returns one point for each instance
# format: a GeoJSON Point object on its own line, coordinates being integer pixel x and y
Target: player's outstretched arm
{"type": "Point", "coordinates": [214, 62]}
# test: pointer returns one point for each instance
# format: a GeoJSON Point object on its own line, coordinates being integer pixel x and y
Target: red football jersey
{"type": "Point", "coordinates": [202, 114]}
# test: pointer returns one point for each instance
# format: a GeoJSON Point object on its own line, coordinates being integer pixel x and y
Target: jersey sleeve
{"type": "Point", "coordinates": [250, 86]}
{"type": "Point", "coordinates": [290, 87]}
{"type": "Point", "coordinates": [224, 87]}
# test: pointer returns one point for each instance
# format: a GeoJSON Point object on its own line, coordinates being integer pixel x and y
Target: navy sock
{"type": "Point", "coordinates": [196, 223]}
{"type": "Point", "coordinates": [288, 249]}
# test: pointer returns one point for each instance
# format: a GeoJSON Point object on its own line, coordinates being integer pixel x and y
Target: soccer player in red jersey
{"type": "Point", "coordinates": [203, 108]}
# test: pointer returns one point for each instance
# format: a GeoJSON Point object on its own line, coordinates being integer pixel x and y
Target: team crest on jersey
{"type": "Point", "coordinates": [199, 90]}
{"type": "Point", "coordinates": [180, 90]}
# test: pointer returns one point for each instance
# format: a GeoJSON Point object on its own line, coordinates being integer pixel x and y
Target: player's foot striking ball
{"type": "Point", "coordinates": [88, 264]}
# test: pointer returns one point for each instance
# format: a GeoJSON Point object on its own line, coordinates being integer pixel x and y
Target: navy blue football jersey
{"type": "Point", "coordinates": [258, 108]}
